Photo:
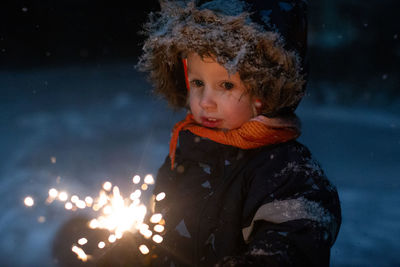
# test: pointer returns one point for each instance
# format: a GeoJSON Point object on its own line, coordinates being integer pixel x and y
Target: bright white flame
{"type": "Point", "coordinates": [156, 218]}
{"type": "Point", "coordinates": [82, 241]}
{"type": "Point", "coordinates": [159, 228]}
{"type": "Point", "coordinates": [148, 179]}
{"type": "Point", "coordinates": [136, 194]}
{"type": "Point", "coordinates": [144, 249]}
{"type": "Point", "coordinates": [68, 205]}
{"type": "Point", "coordinates": [160, 196]}
{"type": "Point", "coordinates": [81, 254]}
{"type": "Point", "coordinates": [107, 186]}
{"type": "Point", "coordinates": [136, 179]}
{"type": "Point", "coordinates": [157, 238]}
{"type": "Point", "coordinates": [53, 193]}
{"type": "Point", "coordinates": [28, 201]}
{"type": "Point", "coordinates": [63, 196]}
{"type": "Point", "coordinates": [112, 238]}
{"type": "Point", "coordinates": [101, 244]}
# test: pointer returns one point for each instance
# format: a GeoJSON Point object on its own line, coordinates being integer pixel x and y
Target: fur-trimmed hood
{"type": "Point", "coordinates": [269, 67]}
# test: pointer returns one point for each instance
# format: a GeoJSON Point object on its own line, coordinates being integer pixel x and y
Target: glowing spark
{"type": "Point", "coordinates": [136, 202]}
{"type": "Point", "coordinates": [68, 206]}
{"type": "Point", "coordinates": [156, 218]}
{"type": "Point", "coordinates": [74, 199]}
{"type": "Point", "coordinates": [107, 186]}
{"type": "Point", "coordinates": [159, 228]}
{"type": "Point", "coordinates": [136, 194]}
{"type": "Point", "coordinates": [136, 179]}
{"type": "Point", "coordinates": [89, 201]}
{"type": "Point", "coordinates": [101, 244]}
{"type": "Point", "coordinates": [53, 193]}
{"type": "Point", "coordinates": [119, 234]}
{"type": "Point", "coordinates": [93, 224]}
{"type": "Point", "coordinates": [160, 196]}
{"type": "Point", "coordinates": [81, 254]}
{"type": "Point", "coordinates": [82, 241]}
{"type": "Point", "coordinates": [144, 249]}
{"type": "Point", "coordinates": [41, 219]}
{"type": "Point", "coordinates": [149, 179]}
{"type": "Point", "coordinates": [146, 233]}
{"type": "Point", "coordinates": [112, 238]}
{"type": "Point", "coordinates": [157, 238]}
{"type": "Point", "coordinates": [80, 204]}
{"type": "Point", "coordinates": [115, 213]}
{"type": "Point", "coordinates": [144, 187]}
{"type": "Point", "coordinates": [63, 196]}
{"type": "Point", "coordinates": [107, 210]}
{"type": "Point", "coordinates": [28, 201]}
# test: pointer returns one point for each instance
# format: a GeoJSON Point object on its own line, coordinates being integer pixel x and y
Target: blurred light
{"type": "Point", "coordinates": [63, 196]}
{"type": "Point", "coordinates": [158, 228]}
{"type": "Point", "coordinates": [136, 179]}
{"type": "Point", "coordinates": [89, 201]}
{"type": "Point", "coordinates": [82, 241]}
{"type": "Point", "coordinates": [28, 201]}
{"type": "Point", "coordinates": [136, 194]}
{"type": "Point", "coordinates": [107, 186]}
{"type": "Point", "coordinates": [156, 218]}
{"type": "Point", "coordinates": [74, 198]}
{"type": "Point", "coordinates": [144, 249]}
{"type": "Point", "coordinates": [149, 179]}
{"type": "Point", "coordinates": [160, 196]}
{"type": "Point", "coordinates": [41, 219]}
{"type": "Point", "coordinates": [93, 224]}
{"type": "Point", "coordinates": [157, 238]}
{"type": "Point", "coordinates": [101, 244]}
{"type": "Point", "coordinates": [144, 187]}
{"type": "Point", "coordinates": [81, 254]}
{"type": "Point", "coordinates": [53, 193]}
{"type": "Point", "coordinates": [112, 238]}
{"type": "Point", "coordinates": [68, 205]}
{"type": "Point", "coordinates": [81, 204]}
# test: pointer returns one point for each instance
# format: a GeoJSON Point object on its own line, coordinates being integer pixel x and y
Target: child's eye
{"type": "Point", "coordinates": [228, 85]}
{"type": "Point", "coordinates": [197, 83]}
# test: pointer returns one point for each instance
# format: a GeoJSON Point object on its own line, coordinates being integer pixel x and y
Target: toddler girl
{"type": "Point", "coordinates": [240, 190]}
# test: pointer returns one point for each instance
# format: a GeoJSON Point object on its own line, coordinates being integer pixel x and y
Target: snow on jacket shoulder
{"type": "Point", "coordinates": [270, 206]}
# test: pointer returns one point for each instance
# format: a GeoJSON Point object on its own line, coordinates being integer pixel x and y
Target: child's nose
{"type": "Point", "coordinates": [207, 100]}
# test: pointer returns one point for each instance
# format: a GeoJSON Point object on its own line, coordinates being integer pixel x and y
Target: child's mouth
{"type": "Point", "coordinates": [210, 122]}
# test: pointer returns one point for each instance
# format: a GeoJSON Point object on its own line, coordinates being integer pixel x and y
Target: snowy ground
{"type": "Point", "coordinates": [100, 123]}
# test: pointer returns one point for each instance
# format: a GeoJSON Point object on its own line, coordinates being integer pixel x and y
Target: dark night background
{"type": "Point", "coordinates": [69, 89]}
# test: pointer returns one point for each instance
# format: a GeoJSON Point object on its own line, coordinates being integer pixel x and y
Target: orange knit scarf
{"type": "Point", "coordinates": [257, 132]}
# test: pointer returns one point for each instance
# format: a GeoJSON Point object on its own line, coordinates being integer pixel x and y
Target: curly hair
{"type": "Point", "coordinates": [268, 70]}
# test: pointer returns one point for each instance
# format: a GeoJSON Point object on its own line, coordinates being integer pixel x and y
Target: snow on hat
{"type": "Point", "coordinates": [265, 41]}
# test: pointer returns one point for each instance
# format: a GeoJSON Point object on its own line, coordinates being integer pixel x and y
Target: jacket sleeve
{"type": "Point", "coordinates": [290, 218]}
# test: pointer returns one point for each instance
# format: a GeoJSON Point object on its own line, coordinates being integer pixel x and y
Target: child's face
{"type": "Point", "coordinates": [217, 99]}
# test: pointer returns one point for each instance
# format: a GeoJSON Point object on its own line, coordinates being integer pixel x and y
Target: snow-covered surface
{"type": "Point", "coordinates": [100, 123]}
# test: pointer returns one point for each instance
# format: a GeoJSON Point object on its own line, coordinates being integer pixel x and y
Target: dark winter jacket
{"type": "Point", "coordinates": [270, 206]}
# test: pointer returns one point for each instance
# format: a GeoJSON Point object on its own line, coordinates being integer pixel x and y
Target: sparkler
{"type": "Point", "coordinates": [117, 214]}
